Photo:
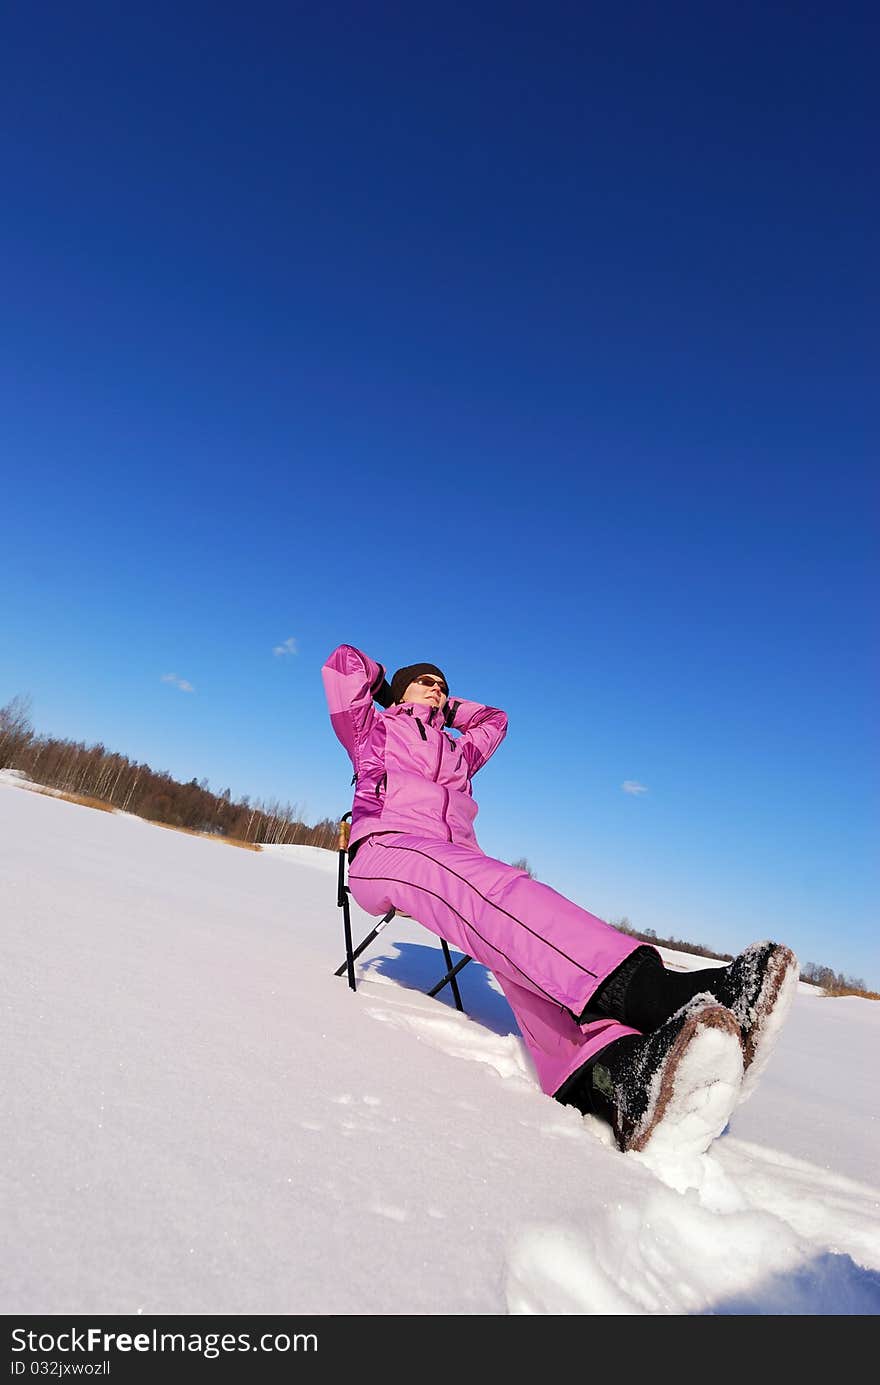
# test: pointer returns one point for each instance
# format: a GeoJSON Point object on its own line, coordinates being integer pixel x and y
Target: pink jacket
{"type": "Point", "coordinates": [411, 774]}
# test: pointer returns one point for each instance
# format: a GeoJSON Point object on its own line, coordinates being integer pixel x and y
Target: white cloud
{"type": "Point", "coordinates": [633, 787]}
{"type": "Point", "coordinates": [288, 647]}
{"type": "Point", "coordinates": [178, 682]}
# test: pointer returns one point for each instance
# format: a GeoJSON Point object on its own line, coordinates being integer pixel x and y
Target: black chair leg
{"type": "Point", "coordinates": [351, 957]}
{"type": "Point", "coordinates": [447, 957]}
{"type": "Point", "coordinates": [449, 979]}
{"type": "Point", "coordinates": [352, 953]}
{"type": "Point", "coordinates": [348, 964]}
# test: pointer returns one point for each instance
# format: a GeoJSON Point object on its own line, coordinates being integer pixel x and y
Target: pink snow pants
{"type": "Point", "coordinates": [548, 954]}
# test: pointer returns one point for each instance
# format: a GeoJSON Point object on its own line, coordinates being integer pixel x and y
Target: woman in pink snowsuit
{"type": "Point", "coordinates": [576, 986]}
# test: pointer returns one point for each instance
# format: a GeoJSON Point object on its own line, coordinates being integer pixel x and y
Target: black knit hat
{"type": "Point", "coordinates": [404, 676]}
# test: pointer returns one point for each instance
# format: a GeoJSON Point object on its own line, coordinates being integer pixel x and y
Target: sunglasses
{"type": "Point", "coordinates": [427, 681]}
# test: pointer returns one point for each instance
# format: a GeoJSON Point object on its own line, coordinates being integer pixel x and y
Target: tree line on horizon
{"type": "Point", "coordinates": [74, 768]}
{"type": "Point", "coordinates": [814, 973]}
{"type": "Point", "coordinates": [92, 771]}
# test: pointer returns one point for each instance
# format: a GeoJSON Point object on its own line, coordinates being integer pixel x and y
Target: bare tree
{"type": "Point", "coordinates": [522, 864]}
{"type": "Point", "coordinates": [16, 731]}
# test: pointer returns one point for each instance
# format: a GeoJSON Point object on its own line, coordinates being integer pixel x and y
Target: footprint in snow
{"type": "Point", "coordinates": [460, 1037]}
{"type": "Point", "coordinates": [387, 1209]}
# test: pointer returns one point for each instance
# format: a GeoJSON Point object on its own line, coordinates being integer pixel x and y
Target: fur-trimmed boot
{"type": "Point", "coordinates": [673, 1089]}
{"type": "Point", "coordinates": [758, 987]}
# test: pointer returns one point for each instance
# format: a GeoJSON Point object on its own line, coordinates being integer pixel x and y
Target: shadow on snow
{"type": "Point", "coordinates": [419, 967]}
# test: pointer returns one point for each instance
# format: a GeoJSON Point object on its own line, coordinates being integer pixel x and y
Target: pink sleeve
{"type": "Point", "coordinates": [483, 729]}
{"type": "Point", "coordinates": [350, 681]}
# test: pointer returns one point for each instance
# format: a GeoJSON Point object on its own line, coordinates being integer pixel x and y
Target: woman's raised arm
{"type": "Point", "coordinates": [352, 680]}
{"type": "Point", "coordinates": [483, 729]}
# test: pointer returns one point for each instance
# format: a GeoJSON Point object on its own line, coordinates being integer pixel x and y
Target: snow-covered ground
{"type": "Point", "coordinates": [198, 1117]}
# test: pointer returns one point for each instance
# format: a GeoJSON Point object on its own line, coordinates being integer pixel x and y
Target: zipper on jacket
{"type": "Point", "coordinates": [442, 738]}
{"type": "Point", "coordinates": [381, 783]}
{"type": "Point", "coordinates": [439, 755]}
{"type": "Point", "coordinates": [445, 787]}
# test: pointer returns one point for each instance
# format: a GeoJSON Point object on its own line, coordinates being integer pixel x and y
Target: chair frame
{"type": "Point", "coordinates": [352, 953]}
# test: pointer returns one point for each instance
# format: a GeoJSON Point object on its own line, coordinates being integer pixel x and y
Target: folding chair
{"type": "Point", "coordinates": [352, 954]}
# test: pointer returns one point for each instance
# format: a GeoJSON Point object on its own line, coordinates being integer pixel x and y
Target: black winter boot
{"type": "Point", "coordinates": [674, 1088]}
{"type": "Point", "coordinates": [758, 987]}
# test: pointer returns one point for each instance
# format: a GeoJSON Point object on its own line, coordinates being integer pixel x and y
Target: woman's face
{"type": "Point", "coordinates": [428, 690]}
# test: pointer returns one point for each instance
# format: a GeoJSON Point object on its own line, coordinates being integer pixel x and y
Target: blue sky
{"type": "Point", "coordinates": [534, 341]}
